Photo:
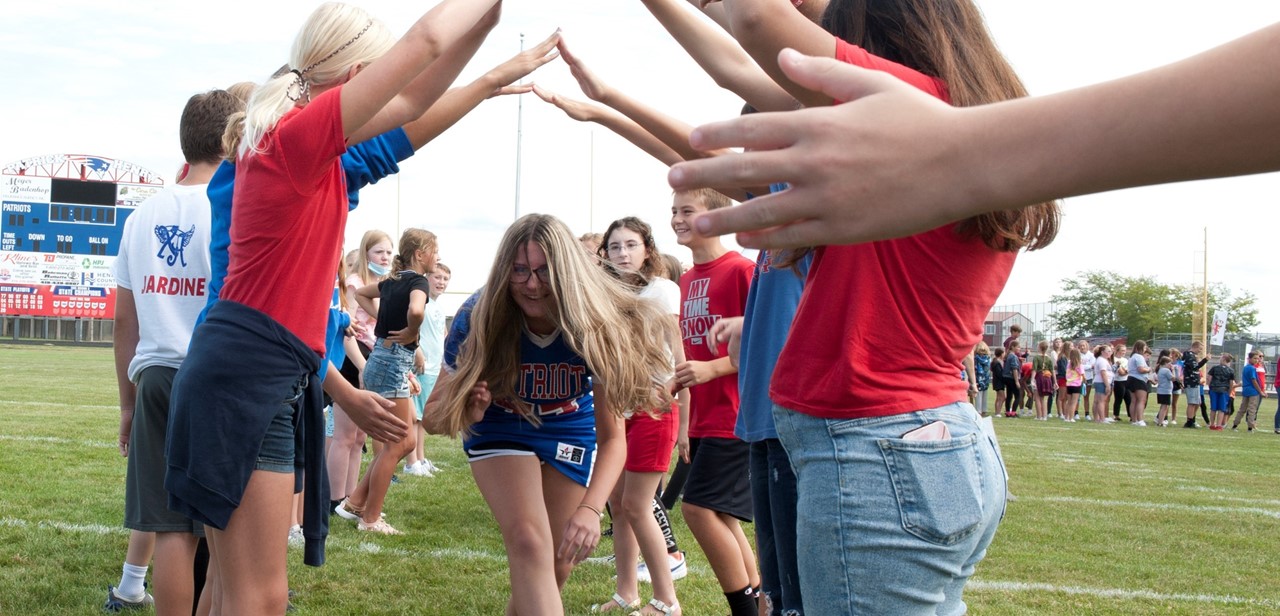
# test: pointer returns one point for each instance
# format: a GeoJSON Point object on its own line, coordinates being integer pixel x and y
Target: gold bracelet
{"type": "Point", "coordinates": [593, 510]}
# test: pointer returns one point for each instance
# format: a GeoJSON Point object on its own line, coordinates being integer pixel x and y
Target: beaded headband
{"type": "Point", "coordinates": [300, 82]}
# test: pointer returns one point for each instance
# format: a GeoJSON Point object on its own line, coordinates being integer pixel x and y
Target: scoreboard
{"type": "Point", "coordinates": [61, 218]}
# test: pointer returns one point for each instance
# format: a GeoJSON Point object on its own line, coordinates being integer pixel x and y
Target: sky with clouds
{"type": "Point", "coordinates": [110, 79]}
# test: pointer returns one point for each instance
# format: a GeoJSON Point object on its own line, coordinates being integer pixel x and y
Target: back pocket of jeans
{"type": "Point", "coordinates": [938, 486]}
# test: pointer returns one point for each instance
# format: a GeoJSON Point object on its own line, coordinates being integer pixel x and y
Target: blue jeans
{"type": "Point", "coordinates": [889, 526]}
{"type": "Point", "coordinates": [388, 369]}
{"type": "Point", "coordinates": [773, 495]}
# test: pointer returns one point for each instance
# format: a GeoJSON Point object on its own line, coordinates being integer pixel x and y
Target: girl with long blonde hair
{"type": "Point", "coordinates": [539, 367]}
{"type": "Point", "coordinates": [230, 445]}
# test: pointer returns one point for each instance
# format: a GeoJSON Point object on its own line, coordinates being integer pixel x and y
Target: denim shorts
{"type": "Point", "coordinates": [891, 526]}
{"type": "Point", "coordinates": [1100, 387]}
{"type": "Point", "coordinates": [386, 372]}
{"type": "Point", "coordinates": [277, 451]}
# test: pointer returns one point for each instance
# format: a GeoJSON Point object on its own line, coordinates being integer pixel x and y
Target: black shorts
{"type": "Point", "coordinates": [718, 476]}
{"type": "Point", "coordinates": [349, 370]}
{"type": "Point", "coordinates": [146, 502]}
{"type": "Point", "coordinates": [1073, 390]}
{"type": "Point", "coordinates": [997, 383]}
{"type": "Point", "coordinates": [1164, 398]}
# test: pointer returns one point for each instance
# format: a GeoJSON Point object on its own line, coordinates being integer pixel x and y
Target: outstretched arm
{"type": "Point", "coordinates": [458, 102]}
{"type": "Point", "coordinates": [398, 88]}
{"type": "Point", "coordinates": [720, 55]}
{"type": "Point", "coordinates": [894, 161]}
{"type": "Point", "coordinates": [766, 27]}
{"type": "Point", "coordinates": [614, 121]}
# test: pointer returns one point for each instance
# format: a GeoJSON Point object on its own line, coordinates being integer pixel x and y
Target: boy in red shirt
{"type": "Point", "coordinates": [717, 493]}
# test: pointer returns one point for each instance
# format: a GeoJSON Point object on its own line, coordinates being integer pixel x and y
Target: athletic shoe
{"type": "Point", "coordinates": [432, 468]}
{"type": "Point", "coordinates": [1216, 428]}
{"type": "Point", "coordinates": [116, 603]}
{"type": "Point", "coordinates": [1277, 431]}
{"type": "Point", "coordinates": [602, 560]}
{"type": "Point", "coordinates": [395, 478]}
{"type": "Point", "coordinates": [1140, 423]}
{"type": "Point", "coordinates": [417, 469]}
{"type": "Point", "coordinates": [296, 539]}
{"type": "Point", "coordinates": [346, 512]}
{"type": "Point", "coordinates": [1190, 424]}
{"type": "Point", "coordinates": [380, 527]}
{"type": "Point", "coordinates": [679, 569]}
{"type": "Point", "coordinates": [1109, 420]}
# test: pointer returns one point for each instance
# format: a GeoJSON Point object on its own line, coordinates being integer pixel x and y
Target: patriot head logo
{"type": "Point", "coordinates": [174, 240]}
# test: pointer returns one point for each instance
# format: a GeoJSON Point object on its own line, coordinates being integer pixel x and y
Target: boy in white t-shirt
{"type": "Point", "coordinates": [426, 364]}
{"type": "Point", "coordinates": [162, 273]}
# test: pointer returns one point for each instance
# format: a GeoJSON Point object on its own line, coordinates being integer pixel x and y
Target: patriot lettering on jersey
{"type": "Point", "coordinates": [554, 381]}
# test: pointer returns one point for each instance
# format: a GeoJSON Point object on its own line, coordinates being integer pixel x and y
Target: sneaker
{"type": "Point", "coordinates": [1109, 420]}
{"type": "Point", "coordinates": [1190, 424]}
{"type": "Point", "coordinates": [679, 569]}
{"type": "Point", "coordinates": [395, 478]}
{"type": "Point", "coordinates": [296, 539]}
{"type": "Point", "coordinates": [1140, 423]}
{"type": "Point", "coordinates": [1216, 428]}
{"type": "Point", "coordinates": [1235, 428]}
{"type": "Point", "coordinates": [380, 527]}
{"type": "Point", "coordinates": [602, 560]}
{"type": "Point", "coordinates": [417, 469]}
{"type": "Point", "coordinates": [347, 512]}
{"type": "Point", "coordinates": [116, 603]}
{"type": "Point", "coordinates": [430, 468]}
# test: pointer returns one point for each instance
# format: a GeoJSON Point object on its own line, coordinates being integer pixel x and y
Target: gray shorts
{"type": "Point", "coordinates": [1193, 395]}
{"type": "Point", "coordinates": [146, 503]}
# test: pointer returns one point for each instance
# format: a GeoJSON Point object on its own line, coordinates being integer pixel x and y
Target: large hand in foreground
{"type": "Point", "coordinates": [888, 163]}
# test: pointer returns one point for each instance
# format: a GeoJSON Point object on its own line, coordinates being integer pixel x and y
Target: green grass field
{"type": "Point", "coordinates": [1108, 519]}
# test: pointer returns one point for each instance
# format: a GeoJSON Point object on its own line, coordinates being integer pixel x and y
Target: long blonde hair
{"type": "Point", "coordinates": [335, 38]}
{"type": "Point", "coordinates": [616, 333]}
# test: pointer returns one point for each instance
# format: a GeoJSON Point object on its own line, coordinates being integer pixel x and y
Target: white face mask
{"type": "Point", "coordinates": [378, 269]}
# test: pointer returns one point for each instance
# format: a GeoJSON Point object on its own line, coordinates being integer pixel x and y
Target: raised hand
{"type": "Point", "coordinates": [578, 110]}
{"type": "Point", "coordinates": [522, 64]}
{"type": "Point", "coordinates": [592, 86]}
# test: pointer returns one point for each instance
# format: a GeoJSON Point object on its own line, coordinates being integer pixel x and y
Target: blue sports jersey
{"type": "Point", "coordinates": [362, 164]}
{"type": "Point", "coordinates": [556, 383]}
{"type": "Point", "coordinates": [554, 380]}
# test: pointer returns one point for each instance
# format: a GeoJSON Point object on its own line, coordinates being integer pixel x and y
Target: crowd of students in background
{"type": "Point", "coordinates": [1071, 373]}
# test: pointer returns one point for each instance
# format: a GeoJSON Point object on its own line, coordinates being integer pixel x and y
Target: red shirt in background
{"type": "Point", "coordinates": [709, 292]}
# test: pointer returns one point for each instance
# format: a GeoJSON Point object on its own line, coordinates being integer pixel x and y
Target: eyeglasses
{"type": "Point", "coordinates": [520, 274]}
{"type": "Point", "coordinates": [614, 249]}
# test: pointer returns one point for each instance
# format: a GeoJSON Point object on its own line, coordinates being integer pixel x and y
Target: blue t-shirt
{"type": "Point", "coordinates": [363, 164]}
{"type": "Point", "coordinates": [771, 306]}
{"type": "Point", "coordinates": [1249, 375]}
{"type": "Point", "coordinates": [554, 380]}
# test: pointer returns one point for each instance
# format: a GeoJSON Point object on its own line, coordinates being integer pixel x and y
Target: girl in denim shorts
{"type": "Point", "coordinates": [402, 302]}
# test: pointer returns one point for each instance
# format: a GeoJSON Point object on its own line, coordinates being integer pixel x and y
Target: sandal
{"type": "Point", "coordinates": [380, 527]}
{"type": "Point", "coordinates": [618, 602]}
{"type": "Point", "coordinates": [663, 608]}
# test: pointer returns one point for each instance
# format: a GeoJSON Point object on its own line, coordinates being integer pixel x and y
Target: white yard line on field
{"type": "Point", "coordinates": [1271, 513]}
{"type": "Point", "coordinates": [1120, 593]}
{"type": "Point", "coordinates": [60, 404]}
{"type": "Point", "coordinates": [57, 440]}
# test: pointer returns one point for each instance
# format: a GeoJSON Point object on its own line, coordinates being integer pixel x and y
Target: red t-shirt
{"type": "Point", "coordinates": [287, 219]}
{"type": "Point", "coordinates": [883, 327]}
{"type": "Point", "coordinates": [709, 292]}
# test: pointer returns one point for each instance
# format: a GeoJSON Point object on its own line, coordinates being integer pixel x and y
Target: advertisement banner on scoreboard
{"type": "Point", "coordinates": [56, 285]}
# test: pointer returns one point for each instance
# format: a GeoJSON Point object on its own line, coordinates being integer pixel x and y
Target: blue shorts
{"type": "Point", "coordinates": [567, 445]}
{"type": "Point", "coordinates": [1218, 400]}
{"type": "Point", "coordinates": [1100, 387]}
{"type": "Point", "coordinates": [277, 451]}
{"type": "Point", "coordinates": [386, 372]}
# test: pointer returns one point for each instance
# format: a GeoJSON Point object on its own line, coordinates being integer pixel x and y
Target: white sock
{"type": "Point", "coordinates": [131, 582]}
